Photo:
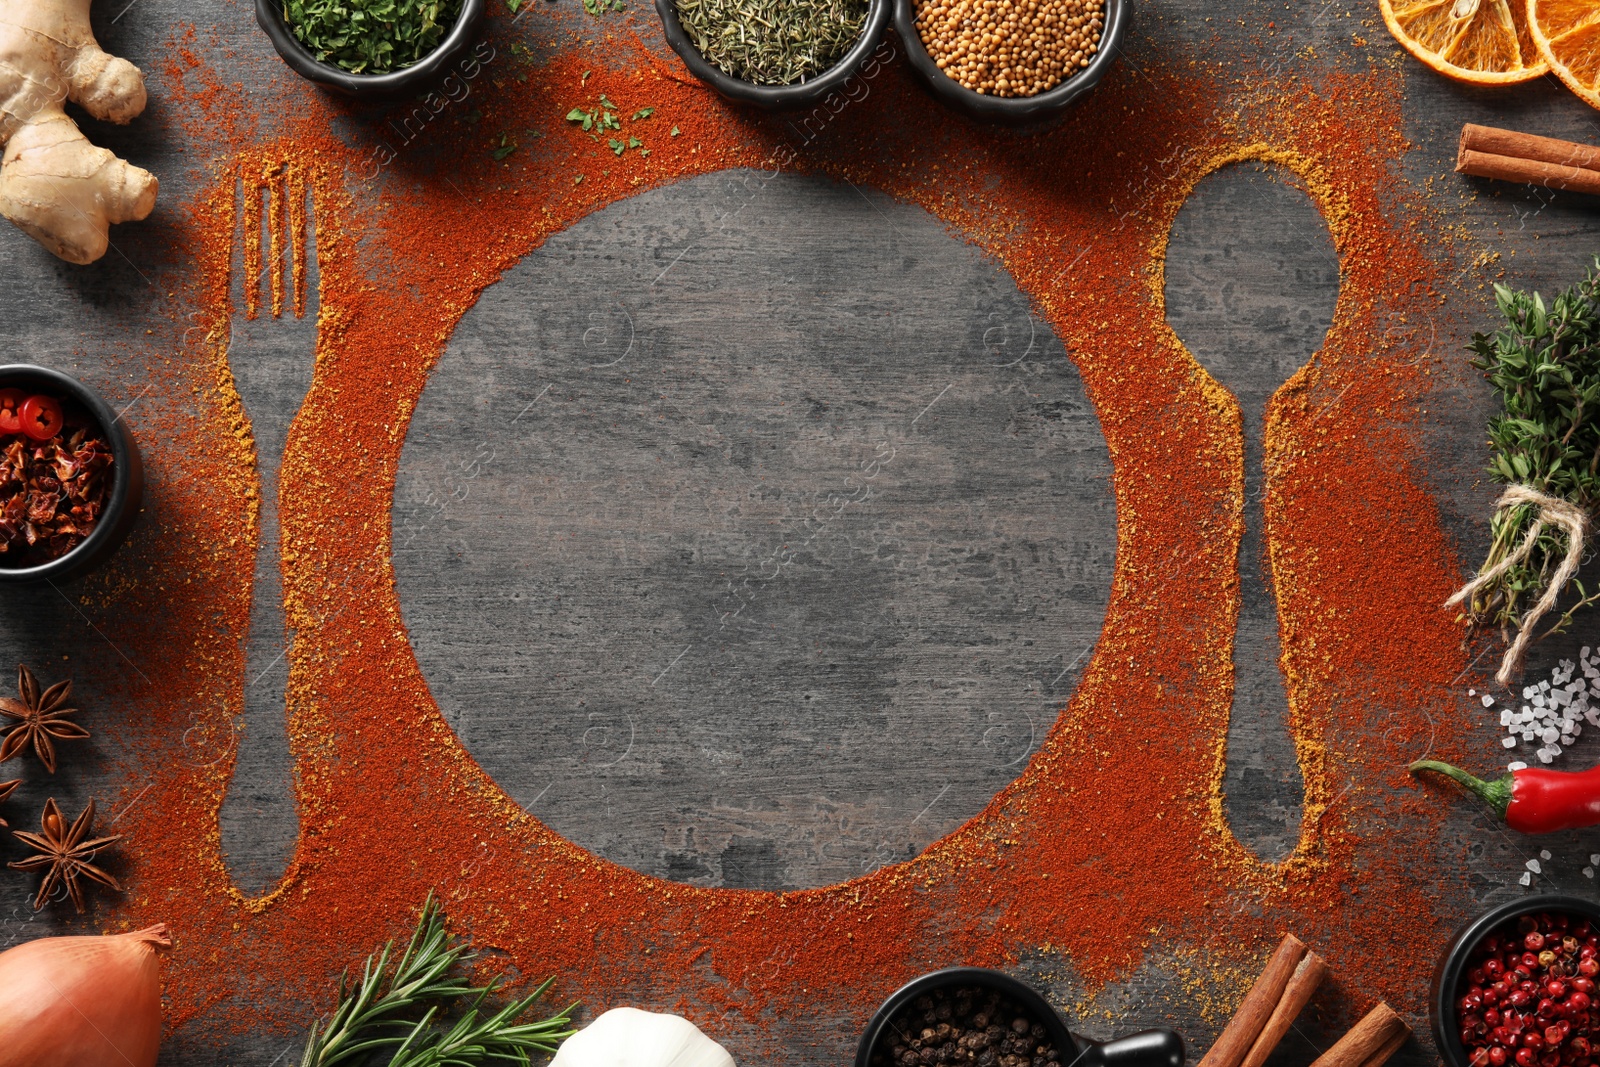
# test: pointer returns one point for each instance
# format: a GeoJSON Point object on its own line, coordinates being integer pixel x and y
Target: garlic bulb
{"type": "Point", "coordinates": [628, 1037]}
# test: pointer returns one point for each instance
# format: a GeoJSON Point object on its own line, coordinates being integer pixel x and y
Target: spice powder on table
{"type": "Point", "coordinates": [1126, 784]}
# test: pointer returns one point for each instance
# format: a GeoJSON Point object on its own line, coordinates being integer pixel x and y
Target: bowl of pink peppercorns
{"type": "Point", "coordinates": [1517, 987]}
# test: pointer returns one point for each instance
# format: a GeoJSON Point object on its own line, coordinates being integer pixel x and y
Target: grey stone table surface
{"type": "Point", "coordinates": [815, 730]}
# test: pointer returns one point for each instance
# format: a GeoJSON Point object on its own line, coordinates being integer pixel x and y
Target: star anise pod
{"type": "Point", "coordinates": [64, 855]}
{"type": "Point", "coordinates": [6, 789]}
{"type": "Point", "coordinates": [40, 717]}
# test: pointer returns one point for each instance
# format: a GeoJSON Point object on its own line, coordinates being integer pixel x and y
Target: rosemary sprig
{"type": "Point", "coordinates": [365, 1019]}
{"type": "Point", "coordinates": [422, 973]}
{"type": "Point", "coordinates": [1545, 362]}
{"type": "Point", "coordinates": [478, 1037]}
{"type": "Point", "coordinates": [773, 42]}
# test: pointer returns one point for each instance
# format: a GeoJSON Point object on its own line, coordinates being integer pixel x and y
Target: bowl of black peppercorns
{"type": "Point", "coordinates": [972, 1016]}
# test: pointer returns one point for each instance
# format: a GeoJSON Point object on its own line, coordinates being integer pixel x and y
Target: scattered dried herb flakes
{"type": "Point", "coordinates": [525, 57]}
{"type": "Point", "coordinates": [370, 36]}
{"type": "Point", "coordinates": [773, 42]}
{"type": "Point", "coordinates": [604, 117]}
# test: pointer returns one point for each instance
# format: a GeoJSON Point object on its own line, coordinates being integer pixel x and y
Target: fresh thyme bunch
{"type": "Point", "coordinates": [1545, 362]}
{"type": "Point", "coordinates": [370, 36]}
{"type": "Point", "coordinates": [371, 1017]}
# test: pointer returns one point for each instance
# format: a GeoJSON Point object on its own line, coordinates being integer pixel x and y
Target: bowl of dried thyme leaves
{"type": "Point", "coordinates": [775, 53]}
{"type": "Point", "coordinates": [377, 50]}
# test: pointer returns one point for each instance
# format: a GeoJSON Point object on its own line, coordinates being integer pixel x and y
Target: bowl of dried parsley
{"type": "Point", "coordinates": [71, 478]}
{"type": "Point", "coordinates": [382, 50]}
{"type": "Point", "coordinates": [777, 54]}
{"type": "Point", "coordinates": [1020, 63]}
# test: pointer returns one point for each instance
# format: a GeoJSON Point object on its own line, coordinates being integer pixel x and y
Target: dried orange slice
{"type": "Point", "coordinates": [1566, 34]}
{"type": "Point", "coordinates": [1481, 41]}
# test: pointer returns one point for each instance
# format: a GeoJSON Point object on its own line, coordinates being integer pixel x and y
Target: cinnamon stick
{"type": "Point", "coordinates": [1239, 1036]}
{"type": "Point", "coordinates": [1379, 1058]}
{"type": "Point", "coordinates": [1370, 1042]}
{"type": "Point", "coordinates": [1303, 983]}
{"type": "Point", "coordinates": [1509, 155]}
{"type": "Point", "coordinates": [1498, 142]}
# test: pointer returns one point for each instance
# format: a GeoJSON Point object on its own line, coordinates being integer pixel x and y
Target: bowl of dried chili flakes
{"type": "Point", "coordinates": [71, 478]}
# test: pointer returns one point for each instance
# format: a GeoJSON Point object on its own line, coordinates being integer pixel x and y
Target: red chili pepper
{"type": "Point", "coordinates": [1533, 800]}
{"type": "Point", "coordinates": [40, 417]}
{"type": "Point", "coordinates": [10, 410]}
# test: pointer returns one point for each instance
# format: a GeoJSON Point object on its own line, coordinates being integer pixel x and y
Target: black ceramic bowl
{"type": "Point", "coordinates": [1447, 976]}
{"type": "Point", "coordinates": [127, 475]}
{"type": "Point", "coordinates": [776, 97]}
{"type": "Point", "coordinates": [1037, 111]}
{"type": "Point", "coordinates": [412, 79]}
{"type": "Point", "coordinates": [1149, 1048]}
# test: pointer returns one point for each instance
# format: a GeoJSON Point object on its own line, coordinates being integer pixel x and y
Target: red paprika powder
{"type": "Point", "coordinates": [1119, 813]}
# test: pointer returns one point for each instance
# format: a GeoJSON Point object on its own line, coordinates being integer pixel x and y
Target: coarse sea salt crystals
{"type": "Point", "coordinates": [1556, 709]}
{"type": "Point", "coordinates": [1526, 879]}
{"type": "Point", "coordinates": [1533, 865]}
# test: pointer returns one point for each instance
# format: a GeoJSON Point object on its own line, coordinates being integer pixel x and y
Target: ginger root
{"type": "Point", "coordinates": [54, 185]}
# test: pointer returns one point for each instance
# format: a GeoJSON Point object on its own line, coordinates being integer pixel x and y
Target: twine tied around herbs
{"type": "Point", "coordinates": [1553, 511]}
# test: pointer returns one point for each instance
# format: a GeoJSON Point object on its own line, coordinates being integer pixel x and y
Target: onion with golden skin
{"type": "Point", "coordinates": [83, 1001]}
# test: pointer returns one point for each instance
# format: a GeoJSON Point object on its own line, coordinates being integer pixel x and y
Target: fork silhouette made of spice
{"type": "Point", "coordinates": [271, 355]}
